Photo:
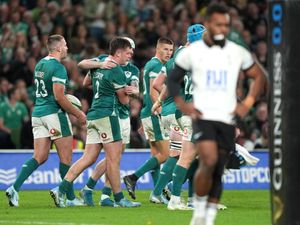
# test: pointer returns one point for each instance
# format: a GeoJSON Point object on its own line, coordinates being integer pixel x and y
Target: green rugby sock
{"type": "Point", "coordinates": [27, 169]}
{"type": "Point", "coordinates": [165, 175]}
{"type": "Point", "coordinates": [179, 175]}
{"type": "Point", "coordinates": [155, 174]}
{"type": "Point", "coordinates": [91, 183]}
{"type": "Point", "coordinates": [118, 196]}
{"type": "Point", "coordinates": [106, 191]}
{"type": "Point", "coordinates": [150, 164]}
{"type": "Point", "coordinates": [63, 169]}
{"type": "Point", "coordinates": [65, 186]}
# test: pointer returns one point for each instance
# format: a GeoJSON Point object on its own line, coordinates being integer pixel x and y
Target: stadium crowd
{"type": "Point", "coordinates": [88, 26]}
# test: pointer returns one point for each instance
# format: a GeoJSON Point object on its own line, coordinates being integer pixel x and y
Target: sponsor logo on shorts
{"type": "Point", "coordinates": [176, 129]}
{"type": "Point", "coordinates": [104, 135]}
{"type": "Point", "coordinates": [54, 132]}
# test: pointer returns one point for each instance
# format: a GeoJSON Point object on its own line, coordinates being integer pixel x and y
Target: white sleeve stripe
{"type": "Point", "coordinates": [58, 79]}
{"type": "Point", "coordinates": [152, 74]}
{"type": "Point", "coordinates": [118, 86]}
{"type": "Point", "coordinates": [134, 78]}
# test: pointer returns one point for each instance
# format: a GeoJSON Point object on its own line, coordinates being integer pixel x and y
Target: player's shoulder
{"type": "Point", "coordinates": [154, 61]}
{"type": "Point", "coordinates": [134, 67]}
{"type": "Point", "coordinates": [234, 46]}
{"type": "Point", "coordinates": [102, 57]}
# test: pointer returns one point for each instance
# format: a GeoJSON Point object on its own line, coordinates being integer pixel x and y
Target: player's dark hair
{"type": "Point", "coordinates": [215, 8]}
{"type": "Point", "coordinates": [165, 40]}
{"type": "Point", "coordinates": [118, 43]}
{"type": "Point", "coordinates": [52, 40]}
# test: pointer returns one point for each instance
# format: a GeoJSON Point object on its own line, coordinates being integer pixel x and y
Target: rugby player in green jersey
{"type": "Point", "coordinates": [50, 120]}
{"type": "Point", "coordinates": [132, 82]}
{"type": "Point", "coordinates": [154, 131]}
{"type": "Point", "coordinates": [103, 127]}
{"type": "Point", "coordinates": [179, 126]}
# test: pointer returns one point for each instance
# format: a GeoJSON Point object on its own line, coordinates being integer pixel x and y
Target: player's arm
{"type": "Point", "coordinates": [159, 82]}
{"type": "Point", "coordinates": [153, 93]}
{"type": "Point", "coordinates": [162, 96]}
{"type": "Point", "coordinates": [88, 64]}
{"type": "Point", "coordinates": [87, 81]}
{"type": "Point", "coordinates": [122, 96]}
{"type": "Point", "coordinates": [256, 88]}
{"type": "Point", "coordinates": [59, 94]}
{"type": "Point", "coordinates": [4, 128]}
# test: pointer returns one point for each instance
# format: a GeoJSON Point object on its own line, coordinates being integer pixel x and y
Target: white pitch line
{"type": "Point", "coordinates": [45, 223]}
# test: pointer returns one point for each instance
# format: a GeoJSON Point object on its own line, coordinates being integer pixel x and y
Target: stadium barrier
{"type": "Point", "coordinates": [47, 175]}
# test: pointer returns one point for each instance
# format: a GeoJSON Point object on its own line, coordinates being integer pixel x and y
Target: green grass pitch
{"type": "Point", "coordinates": [36, 207]}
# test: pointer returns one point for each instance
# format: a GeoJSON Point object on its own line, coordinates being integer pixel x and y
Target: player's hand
{"type": "Point", "coordinates": [82, 118]}
{"type": "Point", "coordinates": [108, 64]}
{"type": "Point", "coordinates": [156, 108]}
{"type": "Point", "coordinates": [141, 131]}
{"type": "Point", "coordinates": [129, 90]}
{"type": "Point", "coordinates": [241, 110]}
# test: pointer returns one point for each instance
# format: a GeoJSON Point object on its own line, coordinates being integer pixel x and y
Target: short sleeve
{"type": "Point", "coordinates": [183, 59]}
{"type": "Point", "coordinates": [119, 78]}
{"type": "Point", "coordinates": [157, 68]}
{"type": "Point", "coordinates": [60, 75]}
{"type": "Point", "coordinates": [247, 59]}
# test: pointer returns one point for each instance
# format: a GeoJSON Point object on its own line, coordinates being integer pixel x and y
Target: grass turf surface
{"type": "Point", "coordinates": [37, 207]}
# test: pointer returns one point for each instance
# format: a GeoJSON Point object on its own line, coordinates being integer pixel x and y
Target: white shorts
{"type": "Point", "coordinates": [125, 130]}
{"type": "Point", "coordinates": [171, 125]}
{"type": "Point", "coordinates": [104, 130]}
{"type": "Point", "coordinates": [153, 129]}
{"type": "Point", "coordinates": [185, 122]}
{"type": "Point", "coordinates": [55, 126]}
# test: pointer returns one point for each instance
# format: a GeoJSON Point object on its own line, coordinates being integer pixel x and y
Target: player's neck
{"type": "Point", "coordinates": [114, 59]}
{"type": "Point", "coordinates": [55, 55]}
{"type": "Point", "coordinates": [159, 58]}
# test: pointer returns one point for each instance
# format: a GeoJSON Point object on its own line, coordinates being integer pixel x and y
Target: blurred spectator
{"type": "Point", "coordinates": [44, 24]}
{"type": "Point", "coordinates": [261, 53]}
{"type": "Point", "coordinates": [4, 87]}
{"type": "Point", "coordinates": [263, 141]}
{"type": "Point", "coordinates": [89, 25]}
{"type": "Point", "coordinates": [12, 115]}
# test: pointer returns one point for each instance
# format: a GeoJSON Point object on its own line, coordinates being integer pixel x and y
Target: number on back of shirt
{"type": "Point", "coordinates": [40, 88]}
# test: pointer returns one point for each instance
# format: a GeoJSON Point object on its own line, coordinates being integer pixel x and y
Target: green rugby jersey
{"type": "Point", "coordinates": [188, 88]}
{"type": "Point", "coordinates": [48, 71]}
{"type": "Point", "coordinates": [151, 71]}
{"type": "Point", "coordinates": [105, 84]}
{"type": "Point", "coordinates": [168, 106]}
{"type": "Point", "coordinates": [132, 73]}
{"type": "Point", "coordinates": [13, 116]}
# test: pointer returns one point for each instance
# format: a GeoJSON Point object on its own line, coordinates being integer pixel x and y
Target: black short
{"type": "Point", "coordinates": [222, 133]}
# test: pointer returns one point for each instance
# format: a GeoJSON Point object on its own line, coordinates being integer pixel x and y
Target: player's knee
{"type": "Point", "coordinates": [41, 158]}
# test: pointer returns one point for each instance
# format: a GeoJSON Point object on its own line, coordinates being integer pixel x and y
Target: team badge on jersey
{"type": "Point", "coordinates": [127, 74]}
